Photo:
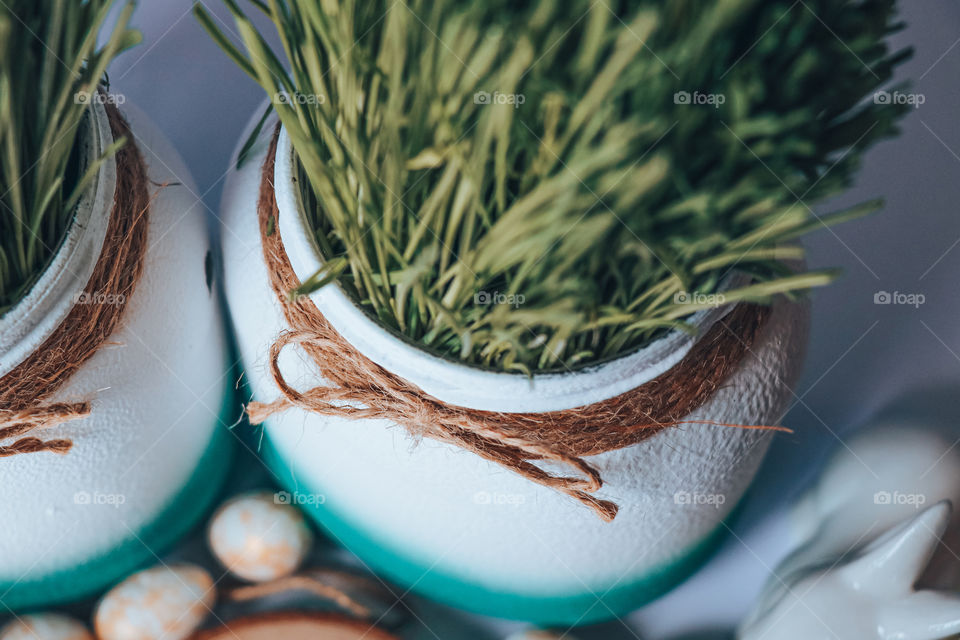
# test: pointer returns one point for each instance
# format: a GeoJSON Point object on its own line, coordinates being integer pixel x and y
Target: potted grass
{"type": "Point", "coordinates": [555, 246]}
{"type": "Point", "coordinates": [112, 358]}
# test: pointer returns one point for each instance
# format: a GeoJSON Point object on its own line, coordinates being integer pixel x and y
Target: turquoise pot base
{"type": "Point", "coordinates": [575, 609]}
{"type": "Point", "coordinates": [184, 511]}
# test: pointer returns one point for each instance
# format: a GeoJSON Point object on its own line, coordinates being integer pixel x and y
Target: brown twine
{"type": "Point", "coordinates": [310, 584]}
{"type": "Point", "coordinates": [87, 326]}
{"type": "Point", "coordinates": [358, 388]}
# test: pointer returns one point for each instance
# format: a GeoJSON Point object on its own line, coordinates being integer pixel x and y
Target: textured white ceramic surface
{"type": "Point", "coordinates": [157, 385]}
{"type": "Point", "coordinates": [440, 507]}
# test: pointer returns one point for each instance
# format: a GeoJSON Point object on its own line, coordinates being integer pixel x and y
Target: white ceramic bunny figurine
{"type": "Point", "coordinates": [870, 596]}
{"type": "Point", "coordinates": [865, 544]}
{"type": "Point", "coordinates": [877, 479]}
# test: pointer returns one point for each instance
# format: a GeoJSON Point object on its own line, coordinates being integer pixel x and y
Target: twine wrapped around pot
{"type": "Point", "coordinates": [87, 326]}
{"type": "Point", "coordinates": [358, 388]}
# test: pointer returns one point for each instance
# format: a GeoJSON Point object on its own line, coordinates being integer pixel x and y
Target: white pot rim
{"type": "Point", "coordinates": [36, 316]}
{"type": "Point", "coordinates": [456, 382]}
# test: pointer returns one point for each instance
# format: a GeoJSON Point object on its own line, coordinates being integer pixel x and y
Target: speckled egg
{"type": "Point", "coordinates": [260, 536]}
{"type": "Point", "coordinates": [48, 626]}
{"type": "Point", "coordinates": [162, 602]}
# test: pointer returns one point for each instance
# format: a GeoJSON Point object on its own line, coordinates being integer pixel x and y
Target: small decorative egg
{"type": "Point", "coordinates": [48, 626]}
{"type": "Point", "coordinates": [260, 536]}
{"type": "Point", "coordinates": [162, 602]}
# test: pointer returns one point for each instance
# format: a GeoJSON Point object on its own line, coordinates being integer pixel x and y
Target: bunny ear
{"type": "Point", "coordinates": [893, 563]}
{"type": "Point", "coordinates": [925, 615]}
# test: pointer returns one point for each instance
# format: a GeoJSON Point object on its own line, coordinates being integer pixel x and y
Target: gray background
{"type": "Point", "coordinates": [863, 357]}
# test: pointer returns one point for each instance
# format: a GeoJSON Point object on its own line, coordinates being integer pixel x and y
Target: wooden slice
{"type": "Point", "coordinates": [295, 626]}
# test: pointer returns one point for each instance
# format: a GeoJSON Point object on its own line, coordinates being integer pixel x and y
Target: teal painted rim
{"type": "Point", "coordinates": [560, 610]}
{"type": "Point", "coordinates": [190, 504]}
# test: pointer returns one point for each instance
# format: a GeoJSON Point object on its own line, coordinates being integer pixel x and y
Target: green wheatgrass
{"type": "Point", "coordinates": [538, 185]}
{"type": "Point", "coordinates": [50, 66]}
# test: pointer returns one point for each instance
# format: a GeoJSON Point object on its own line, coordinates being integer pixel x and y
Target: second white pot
{"type": "Point", "coordinates": [152, 455]}
{"type": "Point", "coordinates": [463, 530]}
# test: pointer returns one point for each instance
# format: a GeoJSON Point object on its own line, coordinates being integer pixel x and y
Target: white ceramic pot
{"type": "Point", "coordinates": [149, 459]}
{"type": "Point", "coordinates": [463, 530]}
